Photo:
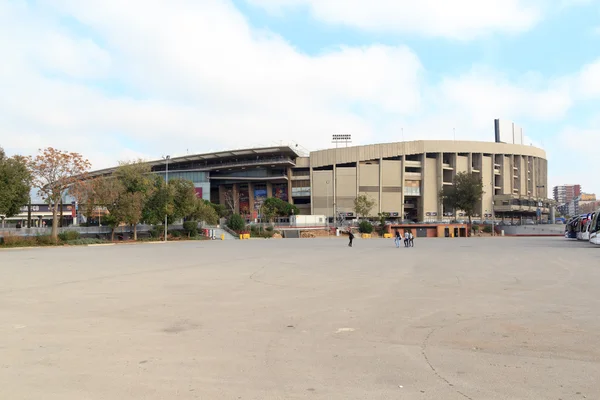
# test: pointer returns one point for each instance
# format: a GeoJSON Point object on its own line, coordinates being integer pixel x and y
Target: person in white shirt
{"type": "Point", "coordinates": [406, 238]}
{"type": "Point", "coordinates": [411, 240]}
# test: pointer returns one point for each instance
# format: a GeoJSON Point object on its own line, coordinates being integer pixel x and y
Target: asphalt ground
{"type": "Point", "coordinates": [479, 318]}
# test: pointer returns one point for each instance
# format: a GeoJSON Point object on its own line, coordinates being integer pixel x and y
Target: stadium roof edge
{"type": "Point", "coordinates": [211, 156]}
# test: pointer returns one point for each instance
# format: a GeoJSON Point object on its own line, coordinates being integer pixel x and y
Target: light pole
{"type": "Point", "coordinates": [539, 204]}
{"type": "Point", "coordinates": [327, 207]}
{"type": "Point", "coordinates": [167, 158]}
{"type": "Point", "coordinates": [493, 219]}
{"type": "Point", "coordinates": [493, 203]}
{"type": "Point", "coordinates": [343, 138]}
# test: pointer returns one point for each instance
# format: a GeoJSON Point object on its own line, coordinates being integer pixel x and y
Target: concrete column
{"type": "Point", "coordinates": [222, 194]}
{"type": "Point", "coordinates": [512, 175]}
{"type": "Point", "coordinates": [269, 190]}
{"type": "Point", "coordinates": [534, 181]}
{"type": "Point", "coordinates": [403, 183]}
{"type": "Point", "coordinates": [236, 196]}
{"type": "Point", "coordinates": [312, 203]}
{"type": "Point", "coordinates": [334, 182]}
{"type": "Point", "coordinates": [493, 185]}
{"type": "Point", "coordinates": [251, 197]}
{"type": "Point", "coordinates": [380, 182]}
{"type": "Point", "coordinates": [289, 186]}
{"type": "Point", "coordinates": [483, 205]}
{"type": "Point", "coordinates": [357, 177]}
{"type": "Point", "coordinates": [470, 166]}
{"type": "Point", "coordinates": [454, 172]}
{"type": "Point", "coordinates": [440, 179]}
{"type": "Point", "coordinates": [421, 209]}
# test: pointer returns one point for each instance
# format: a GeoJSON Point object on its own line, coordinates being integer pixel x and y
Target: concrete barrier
{"type": "Point", "coordinates": [533, 230]}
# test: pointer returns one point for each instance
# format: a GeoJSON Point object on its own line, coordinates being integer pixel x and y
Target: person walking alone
{"type": "Point", "coordinates": [398, 238]}
{"type": "Point", "coordinates": [351, 237]}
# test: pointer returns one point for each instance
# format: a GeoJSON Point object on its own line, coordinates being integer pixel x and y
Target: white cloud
{"type": "Point", "coordinates": [491, 96]}
{"type": "Point", "coordinates": [589, 80]}
{"type": "Point", "coordinates": [204, 78]}
{"type": "Point", "coordinates": [188, 75]}
{"type": "Point", "coordinates": [574, 154]}
{"type": "Point", "coordinates": [459, 19]}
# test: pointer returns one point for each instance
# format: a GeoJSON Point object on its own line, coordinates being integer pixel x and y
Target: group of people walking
{"type": "Point", "coordinates": [409, 239]}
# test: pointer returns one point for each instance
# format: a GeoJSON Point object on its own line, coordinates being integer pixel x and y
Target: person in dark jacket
{"type": "Point", "coordinates": [398, 238]}
{"type": "Point", "coordinates": [351, 237]}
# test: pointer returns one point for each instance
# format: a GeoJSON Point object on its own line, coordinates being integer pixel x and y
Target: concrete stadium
{"type": "Point", "coordinates": [402, 178]}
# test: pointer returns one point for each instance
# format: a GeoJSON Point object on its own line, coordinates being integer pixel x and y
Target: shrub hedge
{"type": "Point", "coordinates": [365, 227]}
{"type": "Point", "coordinates": [67, 236]}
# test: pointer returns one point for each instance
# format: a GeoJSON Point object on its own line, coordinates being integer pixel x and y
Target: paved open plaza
{"type": "Point", "coordinates": [481, 318]}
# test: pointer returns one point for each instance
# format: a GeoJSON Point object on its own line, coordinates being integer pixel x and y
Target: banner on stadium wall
{"type": "Point", "coordinates": [260, 195]}
{"type": "Point", "coordinates": [244, 201]}
{"type": "Point", "coordinates": [280, 191]}
{"type": "Point", "coordinates": [47, 208]}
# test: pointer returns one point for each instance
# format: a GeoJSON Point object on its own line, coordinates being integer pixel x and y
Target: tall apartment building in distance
{"type": "Point", "coordinates": [566, 193]}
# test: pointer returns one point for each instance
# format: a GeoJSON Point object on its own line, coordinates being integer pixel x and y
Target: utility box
{"type": "Point", "coordinates": [306, 221]}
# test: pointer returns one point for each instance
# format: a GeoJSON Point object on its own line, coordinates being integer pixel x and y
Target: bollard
{"type": "Point", "coordinates": [222, 236]}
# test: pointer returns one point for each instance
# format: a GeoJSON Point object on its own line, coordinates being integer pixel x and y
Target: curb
{"type": "Point", "coordinates": [23, 248]}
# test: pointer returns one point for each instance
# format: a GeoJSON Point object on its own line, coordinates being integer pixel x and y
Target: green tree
{"type": "Point", "coordinates": [54, 172]}
{"type": "Point", "coordinates": [160, 203]}
{"type": "Point", "coordinates": [365, 227]}
{"type": "Point", "coordinates": [270, 208]}
{"type": "Point", "coordinates": [185, 199]}
{"type": "Point", "coordinates": [15, 184]}
{"type": "Point", "coordinates": [110, 191]}
{"type": "Point", "coordinates": [236, 223]}
{"type": "Point", "coordinates": [363, 205]}
{"type": "Point", "coordinates": [138, 185]}
{"type": "Point", "coordinates": [464, 194]}
{"type": "Point", "coordinates": [383, 217]}
{"type": "Point", "coordinates": [220, 209]}
{"type": "Point", "coordinates": [203, 211]}
{"type": "Point", "coordinates": [190, 228]}
{"type": "Point", "coordinates": [275, 207]}
{"type": "Point", "coordinates": [85, 191]}
{"type": "Point", "coordinates": [288, 209]}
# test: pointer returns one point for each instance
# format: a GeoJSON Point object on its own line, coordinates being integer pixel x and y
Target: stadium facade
{"type": "Point", "coordinates": [403, 179]}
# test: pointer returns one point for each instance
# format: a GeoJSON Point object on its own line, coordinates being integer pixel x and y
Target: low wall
{"type": "Point", "coordinates": [532, 230]}
{"type": "Point", "coordinates": [431, 230]}
{"type": "Point", "coordinates": [103, 231]}
{"type": "Point", "coordinates": [84, 231]}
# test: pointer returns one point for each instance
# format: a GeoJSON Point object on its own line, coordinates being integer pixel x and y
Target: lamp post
{"type": "Point", "coordinates": [338, 138]}
{"type": "Point", "coordinates": [493, 219]}
{"type": "Point", "coordinates": [327, 206]}
{"type": "Point", "coordinates": [167, 158]}
{"type": "Point", "coordinates": [493, 204]}
{"type": "Point", "coordinates": [539, 204]}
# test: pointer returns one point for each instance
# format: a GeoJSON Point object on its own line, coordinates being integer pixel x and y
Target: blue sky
{"type": "Point", "coordinates": [117, 80]}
